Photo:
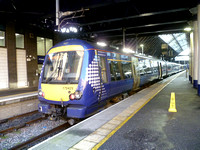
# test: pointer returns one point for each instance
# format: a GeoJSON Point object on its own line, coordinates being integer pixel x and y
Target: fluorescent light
{"type": "Point", "coordinates": [128, 50]}
{"type": "Point", "coordinates": [63, 30]}
{"type": "Point", "coordinates": [69, 29]}
{"type": "Point", "coordinates": [188, 29]}
{"type": "Point", "coordinates": [141, 45]}
{"type": "Point", "coordinates": [101, 44]}
{"type": "Point", "coordinates": [1, 37]}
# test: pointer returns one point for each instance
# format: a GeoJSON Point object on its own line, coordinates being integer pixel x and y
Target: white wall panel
{"type": "Point", "coordinates": [3, 68]}
{"type": "Point", "coordinates": [21, 68]}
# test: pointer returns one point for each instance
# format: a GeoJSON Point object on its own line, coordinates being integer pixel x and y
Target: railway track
{"type": "Point", "coordinates": [28, 143]}
{"type": "Point", "coordinates": [15, 128]}
{"type": "Point", "coordinates": [17, 122]}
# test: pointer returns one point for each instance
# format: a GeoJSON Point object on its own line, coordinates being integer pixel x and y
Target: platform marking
{"type": "Point", "coordinates": [126, 120]}
{"type": "Point", "coordinates": [172, 107]}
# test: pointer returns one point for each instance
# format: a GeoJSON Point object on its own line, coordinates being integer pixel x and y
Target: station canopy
{"type": "Point", "coordinates": [179, 43]}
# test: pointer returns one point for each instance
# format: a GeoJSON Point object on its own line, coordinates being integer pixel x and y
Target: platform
{"type": "Point", "coordinates": [18, 101]}
{"type": "Point", "coordinates": [131, 124]}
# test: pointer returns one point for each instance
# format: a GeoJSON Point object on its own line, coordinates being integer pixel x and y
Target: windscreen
{"type": "Point", "coordinates": [63, 67]}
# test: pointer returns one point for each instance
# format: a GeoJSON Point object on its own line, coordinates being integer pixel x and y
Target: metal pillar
{"type": "Point", "coordinates": [191, 57]}
{"type": "Point", "coordinates": [57, 13]}
{"type": "Point", "coordinates": [198, 20]}
{"type": "Point", "coordinates": [195, 64]}
{"type": "Point", "coordinates": [124, 38]}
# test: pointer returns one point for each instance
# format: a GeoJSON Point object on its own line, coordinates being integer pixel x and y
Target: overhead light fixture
{"type": "Point", "coordinates": [103, 44]}
{"type": "Point", "coordinates": [188, 29]}
{"type": "Point", "coordinates": [69, 30]}
{"type": "Point", "coordinates": [128, 50]}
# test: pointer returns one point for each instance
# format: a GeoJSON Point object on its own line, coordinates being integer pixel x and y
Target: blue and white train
{"type": "Point", "coordinates": [78, 78]}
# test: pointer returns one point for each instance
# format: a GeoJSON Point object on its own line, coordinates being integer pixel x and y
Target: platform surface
{"type": "Point", "coordinates": [17, 95]}
{"type": "Point", "coordinates": [153, 127]}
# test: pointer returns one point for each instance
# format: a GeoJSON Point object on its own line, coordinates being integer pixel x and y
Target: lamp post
{"type": "Point", "coordinates": [142, 46]}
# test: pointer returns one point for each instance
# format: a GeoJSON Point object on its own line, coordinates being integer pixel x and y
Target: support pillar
{"type": "Point", "coordinates": [195, 64]}
{"type": "Point", "coordinates": [198, 20]}
{"type": "Point", "coordinates": [191, 58]}
{"type": "Point", "coordinates": [11, 46]}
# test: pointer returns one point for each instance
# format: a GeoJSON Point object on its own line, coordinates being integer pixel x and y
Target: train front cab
{"type": "Point", "coordinates": [59, 80]}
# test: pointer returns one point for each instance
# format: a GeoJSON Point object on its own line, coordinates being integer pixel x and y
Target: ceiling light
{"type": "Point", "coordinates": [1, 37]}
{"type": "Point", "coordinates": [101, 44]}
{"type": "Point", "coordinates": [128, 50]}
{"type": "Point", "coordinates": [188, 29]}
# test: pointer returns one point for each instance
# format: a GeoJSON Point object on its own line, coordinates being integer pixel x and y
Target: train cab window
{"type": "Point", "coordinates": [127, 71]}
{"type": "Point", "coordinates": [63, 67]}
{"type": "Point", "coordinates": [103, 69]}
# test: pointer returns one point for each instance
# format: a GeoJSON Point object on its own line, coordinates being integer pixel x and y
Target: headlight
{"type": "Point", "coordinates": [40, 93]}
{"type": "Point", "coordinates": [77, 95]}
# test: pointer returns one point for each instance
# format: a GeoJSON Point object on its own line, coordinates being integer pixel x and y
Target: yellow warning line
{"type": "Point", "coordinates": [127, 119]}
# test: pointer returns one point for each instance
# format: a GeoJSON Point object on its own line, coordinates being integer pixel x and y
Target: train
{"type": "Point", "coordinates": [79, 77]}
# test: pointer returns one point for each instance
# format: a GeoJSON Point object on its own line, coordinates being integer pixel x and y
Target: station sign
{"type": "Point", "coordinates": [40, 59]}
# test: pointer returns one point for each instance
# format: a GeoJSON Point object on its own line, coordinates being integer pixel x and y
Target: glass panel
{"type": "Point", "coordinates": [63, 67]}
{"type": "Point", "coordinates": [2, 38]}
{"type": "Point", "coordinates": [167, 38]}
{"type": "Point", "coordinates": [49, 44]}
{"type": "Point", "coordinates": [103, 69]}
{"type": "Point", "coordinates": [116, 70]}
{"type": "Point", "coordinates": [40, 46]}
{"type": "Point", "coordinates": [126, 67]}
{"type": "Point", "coordinates": [112, 75]}
{"type": "Point", "coordinates": [19, 40]}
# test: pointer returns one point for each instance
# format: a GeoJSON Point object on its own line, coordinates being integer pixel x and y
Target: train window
{"type": "Point", "coordinates": [103, 70]}
{"type": "Point", "coordinates": [63, 67]}
{"type": "Point", "coordinates": [116, 70]}
{"type": "Point", "coordinates": [147, 67]}
{"type": "Point", "coordinates": [127, 71]}
{"type": "Point", "coordinates": [112, 75]}
{"type": "Point", "coordinates": [155, 67]}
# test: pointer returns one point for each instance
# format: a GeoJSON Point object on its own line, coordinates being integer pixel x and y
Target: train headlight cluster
{"type": "Point", "coordinates": [77, 95]}
{"type": "Point", "coordinates": [40, 93]}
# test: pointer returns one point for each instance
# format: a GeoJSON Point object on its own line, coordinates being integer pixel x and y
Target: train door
{"type": "Point", "coordinates": [136, 75]}
{"type": "Point", "coordinates": [104, 86]}
{"type": "Point", "coordinates": [160, 70]}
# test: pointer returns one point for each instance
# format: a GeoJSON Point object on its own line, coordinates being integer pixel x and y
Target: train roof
{"type": "Point", "coordinates": [89, 45]}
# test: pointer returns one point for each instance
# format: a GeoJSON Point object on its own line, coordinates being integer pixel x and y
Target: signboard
{"type": "Point", "coordinates": [40, 59]}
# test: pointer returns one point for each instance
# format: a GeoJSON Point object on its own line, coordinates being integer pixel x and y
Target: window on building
{"type": "Point", "coordinates": [49, 44]}
{"type": "Point", "coordinates": [2, 38]}
{"type": "Point", "coordinates": [19, 40]}
{"type": "Point", "coordinates": [43, 45]}
{"type": "Point", "coordinates": [40, 46]}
